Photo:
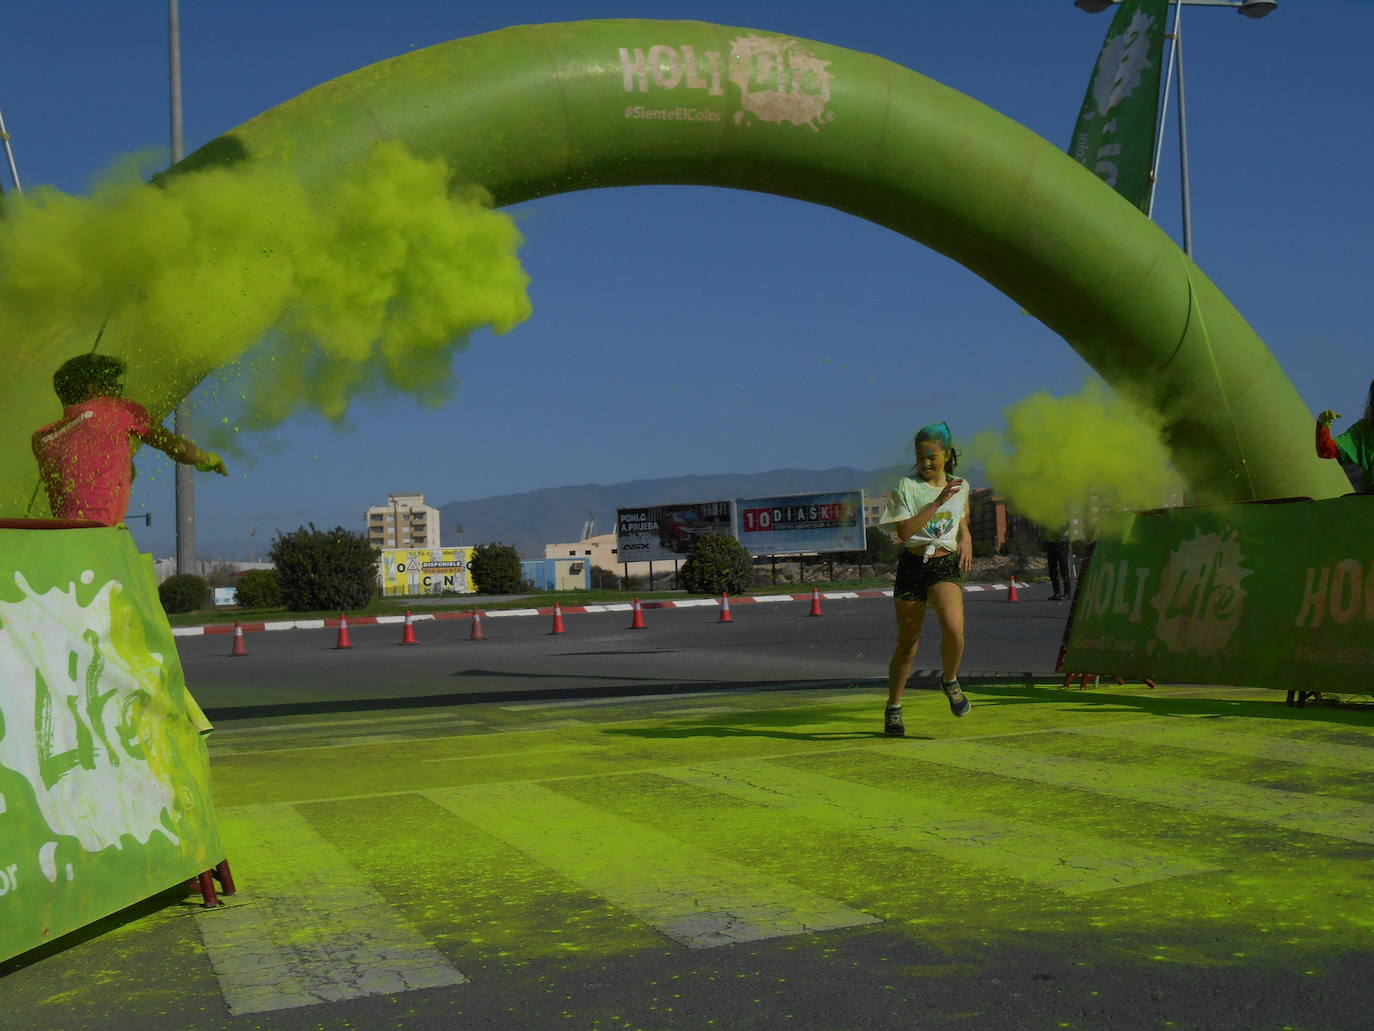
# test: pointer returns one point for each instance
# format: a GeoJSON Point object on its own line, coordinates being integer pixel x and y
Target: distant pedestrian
{"type": "Point", "coordinates": [86, 457]}
{"type": "Point", "coordinates": [1353, 447]}
{"type": "Point", "coordinates": [929, 513]}
{"type": "Point", "coordinates": [1055, 545]}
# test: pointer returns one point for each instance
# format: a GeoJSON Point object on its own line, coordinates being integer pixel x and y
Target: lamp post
{"type": "Point", "coordinates": [184, 476]}
{"type": "Point", "coordinates": [1249, 8]}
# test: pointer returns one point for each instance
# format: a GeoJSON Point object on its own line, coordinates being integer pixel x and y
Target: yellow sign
{"type": "Point", "coordinates": [408, 571]}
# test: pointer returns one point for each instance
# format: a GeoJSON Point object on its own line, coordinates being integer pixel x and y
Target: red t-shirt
{"type": "Point", "coordinates": [85, 458]}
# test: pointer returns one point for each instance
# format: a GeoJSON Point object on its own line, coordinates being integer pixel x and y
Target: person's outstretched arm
{"type": "Point", "coordinates": [182, 450]}
{"type": "Point", "coordinates": [1326, 447]}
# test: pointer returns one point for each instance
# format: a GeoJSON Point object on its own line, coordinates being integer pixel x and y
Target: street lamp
{"type": "Point", "coordinates": [1249, 8]}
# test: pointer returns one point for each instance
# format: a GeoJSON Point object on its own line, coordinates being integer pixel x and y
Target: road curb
{"type": "Point", "coordinates": [744, 599]}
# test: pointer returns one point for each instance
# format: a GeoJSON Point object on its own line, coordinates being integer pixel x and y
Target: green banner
{"type": "Point", "coordinates": [104, 776]}
{"type": "Point", "coordinates": [1266, 594]}
{"type": "Point", "coordinates": [1115, 134]}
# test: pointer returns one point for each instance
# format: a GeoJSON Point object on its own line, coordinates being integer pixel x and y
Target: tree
{"type": "Point", "coordinates": [183, 593]}
{"type": "Point", "coordinates": [495, 569]}
{"type": "Point", "coordinates": [324, 569]}
{"type": "Point", "coordinates": [718, 564]}
{"type": "Point", "coordinates": [259, 589]}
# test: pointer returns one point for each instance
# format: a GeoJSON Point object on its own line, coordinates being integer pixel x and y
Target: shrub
{"type": "Point", "coordinates": [183, 593]}
{"type": "Point", "coordinates": [717, 563]}
{"type": "Point", "coordinates": [984, 549]}
{"type": "Point", "coordinates": [259, 589]}
{"type": "Point", "coordinates": [330, 570]}
{"type": "Point", "coordinates": [495, 569]}
{"type": "Point", "coordinates": [605, 579]}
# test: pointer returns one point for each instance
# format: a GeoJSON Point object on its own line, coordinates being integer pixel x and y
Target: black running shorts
{"type": "Point", "coordinates": [914, 577]}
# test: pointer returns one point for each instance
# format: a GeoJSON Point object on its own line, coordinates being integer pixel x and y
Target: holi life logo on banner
{"type": "Point", "coordinates": [75, 720]}
{"type": "Point", "coordinates": [777, 80]}
{"type": "Point", "coordinates": [1201, 597]}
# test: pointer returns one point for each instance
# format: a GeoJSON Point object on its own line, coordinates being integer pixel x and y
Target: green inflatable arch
{"type": "Point", "coordinates": [538, 110]}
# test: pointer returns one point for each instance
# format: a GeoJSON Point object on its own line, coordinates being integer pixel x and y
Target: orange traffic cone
{"type": "Point", "coordinates": [477, 634]}
{"type": "Point", "coordinates": [725, 616]}
{"type": "Point", "coordinates": [815, 601]}
{"type": "Point", "coordinates": [558, 627]}
{"type": "Point", "coordinates": [1011, 590]}
{"type": "Point", "coordinates": [638, 622]}
{"type": "Point", "coordinates": [408, 634]}
{"type": "Point", "coordinates": [343, 641]}
{"type": "Point", "coordinates": [240, 647]}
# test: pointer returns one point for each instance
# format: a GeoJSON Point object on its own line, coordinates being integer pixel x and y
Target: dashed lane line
{"type": "Point", "coordinates": [1054, 857]}
{"type": "Point", "coordinates": [1179, 734]}
{"type": "Point", "coordinates": [690, 895]}
{"type": "Point", "coordinates": [1291, 810]}
{"type": "Point", "coordinates": [307, 928]}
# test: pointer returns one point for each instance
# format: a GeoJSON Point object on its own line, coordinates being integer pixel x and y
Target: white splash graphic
{"type": "Point", "coordinates": [1121, 63]}
{"type": "Point", "coordinates": [1201, 601]}
{"type": "Point", "coordinates": [779, 81]}
{"type": "Point", "coordinates": [73, 718]}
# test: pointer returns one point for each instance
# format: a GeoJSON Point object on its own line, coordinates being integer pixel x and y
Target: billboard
{"type": "Point", "coordinates": [1277, 594]}
{"type": "Point", "coordinates": [657, 532]}
{"type": "Point", "coordinates": [795, 523]}
{"type": "Point", "coordinates": [409, 571]}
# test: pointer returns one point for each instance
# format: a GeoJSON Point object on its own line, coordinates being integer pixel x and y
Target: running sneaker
{"type": "Point", "coordinates": [958, 701]}
{"type": "Point", "coordinates": [892, 722]}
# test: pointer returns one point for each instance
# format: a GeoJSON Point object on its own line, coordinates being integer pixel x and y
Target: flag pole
{"type": "Point", "coordinates": [1185, 198]}
{"type": "Point", "coordinates": [1163, 111]}
{"type": "Point", "coordinates": [9, 156]}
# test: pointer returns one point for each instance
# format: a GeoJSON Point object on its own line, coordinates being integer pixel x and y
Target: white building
{"type": "Point", "coordinates": [600, 550]}
{"type": "Point", "coordinates": [405, 521]}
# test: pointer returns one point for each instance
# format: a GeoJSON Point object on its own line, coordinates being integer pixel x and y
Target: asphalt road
{"type": "Point", "coordinates": [712, 855]}
{"type": "Point", "coordinates": [766, 644]}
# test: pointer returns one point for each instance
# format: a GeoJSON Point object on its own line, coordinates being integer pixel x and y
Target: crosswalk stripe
{"type": "Point", "coordinates": [1068, 861]}
{"type": "Point", "coordinates": [306, 927]}
{"type": "Point", "coordinates": [694, 897]}
{"type": "Point", "coordinates": [1293, 810]}
{"type": "Point", "coordinates": [1179, 734]}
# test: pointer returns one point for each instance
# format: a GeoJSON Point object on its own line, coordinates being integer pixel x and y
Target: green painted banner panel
{"type": "Point", "coordinates": [104, 776]}
{"type": "Point", "coordinates": [1277, 594]}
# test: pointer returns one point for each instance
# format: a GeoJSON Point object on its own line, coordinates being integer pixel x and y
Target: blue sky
{"type": "Point", "coordinates": [618, 374]}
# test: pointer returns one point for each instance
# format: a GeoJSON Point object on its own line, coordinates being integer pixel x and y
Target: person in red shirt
{"type": "Point", "coordinates": [86, 457]}
{"type": "Point", "coordinates": [1353, 447]}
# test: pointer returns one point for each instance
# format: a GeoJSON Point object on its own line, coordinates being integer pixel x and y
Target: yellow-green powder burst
{"type": "Point", "coordinates": [369, 281]}
{"type": "Point", "coordinates": [1054, 453]}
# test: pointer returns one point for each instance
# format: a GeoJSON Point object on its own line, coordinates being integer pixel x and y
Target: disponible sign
{"type": "Point", "coordinates": [410, 571]}
{"type": "Point", "coordinates": [669, 531]}
{"type": "Point", "coordinates": [1236, 594]}
{"type": "Point", "coordinates": [802, 523]}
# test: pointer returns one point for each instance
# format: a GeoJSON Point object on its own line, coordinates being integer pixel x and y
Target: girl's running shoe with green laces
{"type": "Point", "coordinates": [958, 701]}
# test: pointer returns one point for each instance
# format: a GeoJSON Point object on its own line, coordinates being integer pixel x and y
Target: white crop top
{"type": "Point", "coordinates": [942, 532]}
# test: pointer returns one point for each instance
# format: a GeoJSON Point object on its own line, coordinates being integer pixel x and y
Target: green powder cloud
{"type": "Point", "coordinates": [368, 282]}
{"type": "Point", "coordinates": [1053, 453]}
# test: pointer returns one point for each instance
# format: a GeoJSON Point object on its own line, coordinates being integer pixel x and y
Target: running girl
{"type": "Point", "coordinates": [929, 514]}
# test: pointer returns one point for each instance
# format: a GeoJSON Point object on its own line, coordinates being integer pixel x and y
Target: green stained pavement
{"type": "Point", "coordinates": [1121, 808]}
{"type": "Point", "coordinates": [1198, 829]}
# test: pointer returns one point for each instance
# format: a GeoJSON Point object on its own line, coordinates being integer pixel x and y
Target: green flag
{"type": "Point", "coordinates": [1115, 134]}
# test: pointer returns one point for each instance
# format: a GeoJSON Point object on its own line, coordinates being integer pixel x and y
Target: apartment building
{"type": "Point", "coordinates": [405, 521]}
